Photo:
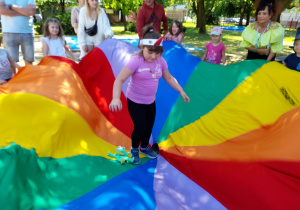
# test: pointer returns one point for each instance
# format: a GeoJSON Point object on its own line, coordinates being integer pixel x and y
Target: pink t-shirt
{"type": "Point", "coordinates": [144, 80]}
{"type": "Point", "coordinates": [214, 53]}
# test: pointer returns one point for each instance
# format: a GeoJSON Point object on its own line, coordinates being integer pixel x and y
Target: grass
{"type": "Point", "coordinates": [231, 40]}
{"type": "Point", "coordinates": [118, 30]}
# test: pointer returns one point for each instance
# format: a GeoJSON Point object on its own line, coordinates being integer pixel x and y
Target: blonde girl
{"type": "Point", "coordinates": [53, 42]}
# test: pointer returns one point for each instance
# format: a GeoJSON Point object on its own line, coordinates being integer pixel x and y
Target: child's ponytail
{"type": "Point", "coordinates": [149, 32]}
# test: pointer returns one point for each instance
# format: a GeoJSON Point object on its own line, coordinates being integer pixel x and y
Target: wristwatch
{"type": "Point", "coordinates": [9, 6]}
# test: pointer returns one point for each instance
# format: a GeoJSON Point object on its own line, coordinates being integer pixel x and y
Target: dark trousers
{"type": "Point", "coordinates": [143, 116]}
{"type": "Point", "coordinates": [255, 55]}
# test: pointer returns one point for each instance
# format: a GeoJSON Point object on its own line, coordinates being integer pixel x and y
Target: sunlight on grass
{"type": "Point", "coordinates": [189, 24]}
{"type": "Point", "coordinates": [119, 31]}
{"type": "Point", "coordinates": [118, 28]}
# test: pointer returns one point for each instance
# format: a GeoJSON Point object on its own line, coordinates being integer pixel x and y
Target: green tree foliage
{"type": "Point", "coordinates": [294, 4]}
{"type": "Point", "coordinates": [63, 16]}
{"type": "Point", "coordinates": [46, 6]}
{"type": "Point", "coordinates": [167, 3]}
{"type": "Point", "coordinates": [65, 21]}
{"type": "Point", "coordinates": [231, 8]}
{"type": "Point", "coordinates": [125, 6]}
{"type": "Point", "coordinates": [211, 16]}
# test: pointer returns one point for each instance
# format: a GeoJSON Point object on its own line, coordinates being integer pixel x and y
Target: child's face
{"type": "Point", "coordinates": [149, 3]}
{"type": "Point", "coordinates": [93, 4]}
{"type": "Point", "coordinates": [175, 29]}
{"type": "Point", "coordinates": [81, 2]}
{"type": "Point", "coordinates": [150, 56]}
{"type": "Point", "coordinates": [53, 28]}
{"type": "Point", "coordinates": [297, 46]}
{"type": "Point", "coordinates": [215, 38]}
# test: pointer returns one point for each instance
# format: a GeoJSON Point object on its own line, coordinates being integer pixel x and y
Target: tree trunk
{"type": "Point", "coordinates": [248, 18]}
{"type": "Point", "coordinates": [242, 17]}
{"type": "Point", "coordinates": [195, 10]}
{"type": "Point", "coordinates": [200, 14]}
{"type": "Point", "coordinates": [62, 4]}
{"type": "Point", "coordinates": [278, 18]}
{"type": "Point", "coordinates": [123, 19]}
{"type": "Point", "coordinates": [201, 17]}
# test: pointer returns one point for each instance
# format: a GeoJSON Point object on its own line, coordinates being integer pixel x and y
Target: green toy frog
{"type": "Point", "coordinates": [121, 155]}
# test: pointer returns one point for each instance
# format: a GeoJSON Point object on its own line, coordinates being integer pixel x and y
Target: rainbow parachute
{"type": "Point", "coordinates": [234, 146]}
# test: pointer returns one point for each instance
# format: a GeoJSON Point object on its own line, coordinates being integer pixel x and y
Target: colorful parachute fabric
{"type": "Point", "coordinates": [234, 146]}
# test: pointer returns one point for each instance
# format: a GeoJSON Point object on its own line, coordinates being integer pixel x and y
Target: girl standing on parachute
{"type": "Point", "coordinates": [145, 69]}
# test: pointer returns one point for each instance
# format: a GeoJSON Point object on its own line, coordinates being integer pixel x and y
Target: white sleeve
{"type": "Point", "coordinates": [64, 42]}
{"type": "Point", "coordinates": [81, 33]}
{"type": "Point", "coordinates": [44, 38]}
{"type": "Point", "coordinates": [73, 19]}
{"type": "Point", "coordinates": [106, 24]}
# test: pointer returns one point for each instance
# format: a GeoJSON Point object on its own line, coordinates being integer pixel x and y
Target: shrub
{"type": "Point", "coordinates": [65, 21]}
{"type": "Point", "coordinates": [132, 26]}
{"type": "Point", "coordinates": [39, 26]}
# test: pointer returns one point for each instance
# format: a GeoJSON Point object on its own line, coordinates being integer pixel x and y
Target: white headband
{"type": "Point", "coordinates": [149, 42]}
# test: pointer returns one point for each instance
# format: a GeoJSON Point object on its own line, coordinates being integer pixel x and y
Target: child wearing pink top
{"type": "Point", "coordinates": [175, 32]}
{"type": "Point", "coordinates": [215, 50]}
{"type": "Point", "coordinates": [145, 69]}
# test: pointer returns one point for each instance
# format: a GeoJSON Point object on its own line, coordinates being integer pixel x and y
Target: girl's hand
{"type": "Point", "coordinates": [167, 36]}
{"type": "Point", "coordinates": [84, 48]}
{"type": "Point", "coordinates": [107, 37]}
{"type": "Point", "coordinates": [115, 104]}
{"type": "Point", "coordinates": [184, 96]}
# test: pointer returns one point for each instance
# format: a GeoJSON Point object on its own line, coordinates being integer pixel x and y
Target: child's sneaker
{"type": "Point", "coordinates": [148, 152]}
{"type": "Point", "coordinates": [135, 155]}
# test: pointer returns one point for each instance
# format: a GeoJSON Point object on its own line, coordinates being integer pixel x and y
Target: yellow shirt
{"type": "Point", "coordinates": [274, 37]}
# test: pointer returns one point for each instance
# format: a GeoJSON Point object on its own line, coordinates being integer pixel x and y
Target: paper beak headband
{"type": "Point", "coordinates": [152, 42]}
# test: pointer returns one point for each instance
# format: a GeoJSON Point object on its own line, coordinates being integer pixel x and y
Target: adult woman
{"type": "Point", "coordinates": [263, 38]}
{"type": "Point", "coordinates": [93, 26]}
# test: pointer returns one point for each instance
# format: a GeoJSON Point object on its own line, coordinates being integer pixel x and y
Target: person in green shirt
{"type": "Point", "coordinates": [264, 37]}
